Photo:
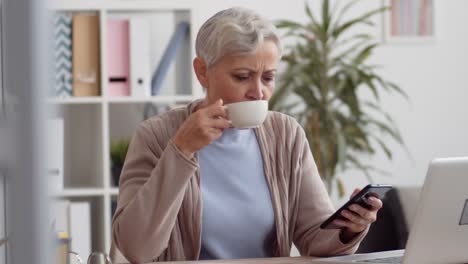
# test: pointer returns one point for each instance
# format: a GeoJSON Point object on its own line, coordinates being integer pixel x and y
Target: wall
{"type": "Point", "coordinates": [434, 122]}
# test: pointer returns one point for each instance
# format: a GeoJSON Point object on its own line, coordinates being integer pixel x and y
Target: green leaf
{"type": "Point", "coordinates": [368, 81]}
{"type": "Point", "coordinates": [384, 147]}
{"type": "Point", "coordinates": [341, 188]}
{"type": "Point", "coordinates": [357, 138]}
{"type": "Point", "coordinates": [390, 86]}
{"type": "Point", "coordinates": [339, 85]}
{"type": "Point", "coordinates": [310, 14]}
{"type": "Point", "coordinates": [364, 54]}
{"type": "Point", "coordinates": [398, 89]}
{"type": "Point", "coordinates": [288, 24]}
{"type": "Point", "coordinates": [378, 109]}
{"type": "Point", "coordinates": [351, 50]}
{"type": "Point", "coordinates": [362, 19]}
{"type": "Point", "coordinates": [307, 94]}
{"type": "Point", "coordinates": [325, 16]}
{"type": "Point", "coordinates": [343, 11]}
{"type": "Point", "coordinates": [341, 144]}
{"type": "Point", "coordinates": [334, 10]}
{"type": "Point", "coordinates": [362, 37]}
{"type": "Point", "coordinates": [118, 151]}
{"type": "Point", "coordinates": [385, 128]}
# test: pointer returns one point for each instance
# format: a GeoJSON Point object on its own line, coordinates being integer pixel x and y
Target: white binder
{"type": "Point", "coordinates": [54, 157]}
{"type": "Point", "coordinates": [80, 227]}
{"type": "Point", "coordinates": [140, 74]}
{"type": "Point", "coordinates": [59, 211]}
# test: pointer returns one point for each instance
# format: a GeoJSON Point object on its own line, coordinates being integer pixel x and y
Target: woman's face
{"type": "Point", "coordinates": [241, 78]}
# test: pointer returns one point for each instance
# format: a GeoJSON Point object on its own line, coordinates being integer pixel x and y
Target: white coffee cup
{"type": "Point", "coordinates": [247, 114]}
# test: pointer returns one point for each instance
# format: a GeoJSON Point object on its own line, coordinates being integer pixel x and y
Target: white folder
{"type": "Point", "coordinates": [59, 215]}
{"type": "Point", "coordinates": [80, 228]}
{"type": "Point", "coordinates": [140, 73]}
{"type": "Point", "coordinates": [55, 147]}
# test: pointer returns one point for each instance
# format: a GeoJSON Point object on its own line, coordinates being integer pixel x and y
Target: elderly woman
{"type": "Point", "coordinates": [193, 187]}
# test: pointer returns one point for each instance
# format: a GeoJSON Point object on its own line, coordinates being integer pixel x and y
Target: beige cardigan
{"type": "Point", "coordinates": [158, 216]}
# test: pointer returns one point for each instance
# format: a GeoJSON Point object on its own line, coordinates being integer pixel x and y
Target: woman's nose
{"type": "Point", "coordinates": [256, 91]}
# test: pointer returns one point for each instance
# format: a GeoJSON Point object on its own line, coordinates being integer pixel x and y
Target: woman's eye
{"type": "Point", "coordinates": [241, 77]}
{"type": "Point", "coordinates": [269, 78]}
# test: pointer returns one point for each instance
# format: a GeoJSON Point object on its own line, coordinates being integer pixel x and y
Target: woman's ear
{"type": "Point", "coordinates": [201, 70]}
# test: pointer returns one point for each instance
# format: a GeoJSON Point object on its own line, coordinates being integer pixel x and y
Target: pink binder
{"type": "Point", "coordinates": [118, 57]}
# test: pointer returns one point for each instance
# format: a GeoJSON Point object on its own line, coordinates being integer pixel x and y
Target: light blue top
{"type": "Point", "coordinates": [238, 218]}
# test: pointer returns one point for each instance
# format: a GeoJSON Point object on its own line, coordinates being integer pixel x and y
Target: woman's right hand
{"type": "Point", "coordinates": [201, 128]}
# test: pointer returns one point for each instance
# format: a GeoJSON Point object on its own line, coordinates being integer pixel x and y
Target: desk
{"type": "Point", "coordinates": [287, 260]}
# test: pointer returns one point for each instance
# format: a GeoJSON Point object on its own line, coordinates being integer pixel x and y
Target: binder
{"type": "Point", "coordinates": [177, 38]}
{"type": "Point", "coordinates": [140, 57]}
{"type": "Point", "coordinates": [86, 55]}
{"type": "Point", "coordinates": [54, 157]}
{"type": "Point", "coordinates": [59, 216]}
{"type": "Point", "coordinates": [62, 36]}
{"type": "Point", "coordinates": [118, 57]}
{"type": "Point", "coordinates": [80, 227]}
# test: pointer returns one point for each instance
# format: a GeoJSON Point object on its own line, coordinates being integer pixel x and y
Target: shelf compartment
{"type": "Point", "coordinates": [83, 166]}
{"type": "Point", "coordinates": [178, 78]}
{"type": "Point", "coordinates": [123, 121]}
{"type": "Point", "coordinates": [96, 205]}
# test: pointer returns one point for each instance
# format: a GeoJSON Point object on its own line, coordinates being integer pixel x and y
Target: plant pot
{"type": "Point", "coordinates": [116, 171]}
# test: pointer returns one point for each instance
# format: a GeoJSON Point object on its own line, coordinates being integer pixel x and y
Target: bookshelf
{"type": "Point", "coordinates": [92, 123]}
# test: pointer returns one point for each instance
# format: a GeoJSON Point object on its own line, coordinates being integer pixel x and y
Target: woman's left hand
{"type": "Point", "coordinates": [357, 217]}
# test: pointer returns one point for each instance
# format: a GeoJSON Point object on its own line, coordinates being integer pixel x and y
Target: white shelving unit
{"type": "Point", "coordinates": [91, 123]}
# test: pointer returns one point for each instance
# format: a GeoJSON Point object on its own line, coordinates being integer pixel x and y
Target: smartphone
{"type": "Point", "coordinates": [371, 190]}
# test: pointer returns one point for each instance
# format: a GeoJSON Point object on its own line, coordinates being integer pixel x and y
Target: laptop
{"type": "Point", "coordinates": [439, 232]}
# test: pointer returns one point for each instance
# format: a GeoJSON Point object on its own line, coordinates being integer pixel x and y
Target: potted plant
{"type": "Point", "coordinates": [326, 68]}
{"type": "Point", "coordinates": [118, 153]}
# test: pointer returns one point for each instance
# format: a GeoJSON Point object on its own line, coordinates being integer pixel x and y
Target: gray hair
{"type": "Point", "coordinates": [234, 31]}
